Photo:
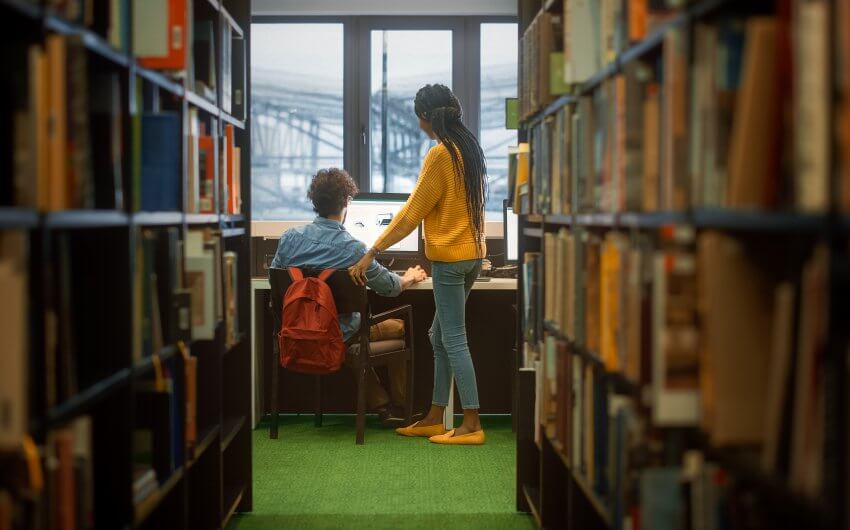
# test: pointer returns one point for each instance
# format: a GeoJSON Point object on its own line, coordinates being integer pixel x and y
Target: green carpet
{"type": "Point", "coordinates": [315, 478]}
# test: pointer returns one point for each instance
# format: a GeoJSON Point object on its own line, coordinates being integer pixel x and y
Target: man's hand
{"type": "Point", "coordinates": [413, 276]}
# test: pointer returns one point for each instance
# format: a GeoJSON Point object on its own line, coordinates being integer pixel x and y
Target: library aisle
{"type": "Point", "coordinates": [316, 478]}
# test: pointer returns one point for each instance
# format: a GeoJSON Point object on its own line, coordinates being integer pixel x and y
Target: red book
{"type": "Point", "coordinates": [160, 34]}
{"type": "Point", "coordinates": [232, 185]}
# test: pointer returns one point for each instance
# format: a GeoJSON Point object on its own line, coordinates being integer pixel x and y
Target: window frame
{"type": "Point", "coordinates": [466, 81]}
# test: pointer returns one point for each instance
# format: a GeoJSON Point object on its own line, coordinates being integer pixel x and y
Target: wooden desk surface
{"type": "Point", "coordinates": [495, 284]}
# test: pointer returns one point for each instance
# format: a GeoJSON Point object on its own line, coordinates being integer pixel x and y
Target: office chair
{"type": "Point", "coordinates": [349, 298]}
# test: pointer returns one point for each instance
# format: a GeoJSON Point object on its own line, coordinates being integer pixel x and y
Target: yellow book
{"type": "Point", "coordinates": [609, 303]}
{"type": "Point", "coordinates": [522, 173]}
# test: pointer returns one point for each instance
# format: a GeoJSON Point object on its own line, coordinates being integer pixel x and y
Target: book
{"type": "Point", "coordinates": [591, 293]}
{"type": "Point", "coordinates": [778, 379]}
{"type": "Point", "coordinates": [675, 361]}
{"type": "Point", "coordinates": [226, 80]}
{"type": "Point", "coordinates": [231, 159]}
{"type": "Point", "coordinates": [806, 469]}
{"type": "Point", "coordinates": [812, 107]}
{"type": "Point", "coordinates": [190, 371]}
{"type": "Point", "coordinates": [206, 173]}
{"type": "Point", "coordinates": [238, 78]}
{"type": "Point", "coordinates": [610, 301]}
{"type": "Point", "coordinates": [522, 189]}
{"type": "Point", "coordinates": [14, 327]}
{"type": "Point", "coordinates": [736, 308]}
{"type": "Point", "coordinates": [583, 41]}
{"type": "Point", "coordinates": [160, 33]}
{"type": "Point", "coordinates": [675, 194]}
{"type": "Point", "coordinates": [200, 280]}
{"type": "Point", "coordinates": [193, 163]}
{"type": "Point", "coordinates": [161, 161]}
{"type": "Point", "coordinates": [651, 162]}
{"type": "Point", "coordinates": [540, 41]}
{"type": "Point", "coordinates": [57, 132]}
{"type": "Point", "coordinates": [753, 152]}
{"type": "Point", "coordinates": [231, 293]}
{"type": "Point", "coordinates": [118, 29]}
{"type": "Point", "coordinates": [660, 503]}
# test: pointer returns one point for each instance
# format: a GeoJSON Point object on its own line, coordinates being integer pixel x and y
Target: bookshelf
{"type": "Point", "coordinates": [129, 429]}
{"type": "Point", "coordinates": [645, 270]}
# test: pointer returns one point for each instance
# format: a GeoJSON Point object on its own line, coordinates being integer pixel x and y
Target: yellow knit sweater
{"type": "Point", "coordinates": [440, 199]}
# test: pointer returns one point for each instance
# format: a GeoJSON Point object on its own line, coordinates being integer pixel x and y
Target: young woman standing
{"type": "Point", "coordinates": [449, 196]}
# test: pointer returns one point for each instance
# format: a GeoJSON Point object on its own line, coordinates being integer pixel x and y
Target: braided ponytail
{"type": "Point", "coordinates": [439, 106]}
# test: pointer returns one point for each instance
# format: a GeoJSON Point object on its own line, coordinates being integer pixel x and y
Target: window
{"type": "Point", "coordinates": [339, 91]}
{"type": "Point", "coordinates": [296, 112]}
{"type": "Point", "coordinates": [400, 65]}
{"type": "Point", "coordinates": [498, 81]}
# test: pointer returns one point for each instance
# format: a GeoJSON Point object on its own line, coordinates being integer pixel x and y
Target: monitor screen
{"type": "Point", "coordinates": [369, 217]}
{"type": "Point", "coordinates": [511, 227]}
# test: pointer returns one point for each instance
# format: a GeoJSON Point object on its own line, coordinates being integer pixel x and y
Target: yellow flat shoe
{"type": "Point", "coordinates": [421, 432]}
{"type": "Point", "coordinates": [472, 438]}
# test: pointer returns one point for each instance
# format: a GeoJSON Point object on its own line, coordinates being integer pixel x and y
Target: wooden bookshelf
{"type": "Point", "coordinates": [781, 240]}
{"type": "Point", "coordinates": [214, 479]}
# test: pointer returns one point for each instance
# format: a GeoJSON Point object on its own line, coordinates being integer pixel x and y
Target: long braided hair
{"type": "Point", "coordinates": [439, 106]}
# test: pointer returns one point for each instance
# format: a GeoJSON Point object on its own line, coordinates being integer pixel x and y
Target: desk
{"type": "Point", "coordinates": [498, 286]}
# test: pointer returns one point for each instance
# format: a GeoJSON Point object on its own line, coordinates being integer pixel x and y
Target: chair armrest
{"type": "Point", "coordinates": [398, 312]}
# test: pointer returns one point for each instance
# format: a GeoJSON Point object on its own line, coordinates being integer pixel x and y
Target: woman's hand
{"type": "Point", "coordinates": [358, 270]}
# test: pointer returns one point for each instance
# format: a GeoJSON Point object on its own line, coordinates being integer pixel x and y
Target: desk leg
{"type": "Point", "coordinates": [253, 357]}
{"type": "Point", "coordinates": [449, 412]}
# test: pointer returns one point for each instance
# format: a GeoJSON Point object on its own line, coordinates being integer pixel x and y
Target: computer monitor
{"type": "Point", "coordinates": [369, 214]}
{"type": "Point", "coordinates": [511, 224]}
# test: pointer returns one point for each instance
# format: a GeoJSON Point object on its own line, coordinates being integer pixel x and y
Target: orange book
{"type": "Point", "coordinates": [237, 180]}
{"type": "Point", "coordinates": [230, 175]}
{"type": "Point", "coordinates": [637, 20]}
{"type": "Point", "coordinates": [40, 92]}
{"type": "Point", "coordinates": [160, 33]}
{"type": "Point", "coordinates": [57, 132]}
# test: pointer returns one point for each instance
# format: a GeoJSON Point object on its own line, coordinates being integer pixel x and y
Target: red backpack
{"type": "Point", "coordinates": [310, 339]}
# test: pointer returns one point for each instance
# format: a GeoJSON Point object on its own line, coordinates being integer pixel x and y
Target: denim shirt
{"type": "Point", "coordinates": [326, 244]}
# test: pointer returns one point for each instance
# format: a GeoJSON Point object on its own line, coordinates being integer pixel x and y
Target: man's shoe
{"type": "Point", "coordinates": [391, 415]}
{"type": "Point", "coordinates": [422, 432]}
{"type": "Point", "coordinates": [472, 438]}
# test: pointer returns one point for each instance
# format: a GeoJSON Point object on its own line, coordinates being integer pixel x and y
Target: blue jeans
{"type": "Point", "coordinates": [452, 283]}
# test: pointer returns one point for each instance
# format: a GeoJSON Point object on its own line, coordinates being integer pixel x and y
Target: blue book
{"type": "Point", "coordinates": [177, 404]}
{"type": "Point", "coordinates": [161, 162]}
{"type": "Point", "coordinates": [661, 499]}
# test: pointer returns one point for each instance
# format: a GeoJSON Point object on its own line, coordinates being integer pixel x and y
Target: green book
{"type": "Point", "coordinates": [557, 86]}
{"type": "Point", "coordinates": [511, 113]}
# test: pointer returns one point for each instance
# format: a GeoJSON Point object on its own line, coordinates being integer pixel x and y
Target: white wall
{"type": "Point", "coordinates": [385, 7]}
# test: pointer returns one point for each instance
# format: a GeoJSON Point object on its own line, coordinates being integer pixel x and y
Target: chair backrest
{"type": "Point", "coordinates": [349, 297]}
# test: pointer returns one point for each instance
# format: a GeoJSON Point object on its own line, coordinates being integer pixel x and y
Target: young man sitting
{"type": "Point", "coordinates": [325, 244]}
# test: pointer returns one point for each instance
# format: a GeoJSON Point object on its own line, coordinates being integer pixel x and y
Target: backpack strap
{"type": "Point", "coordinates": [295, 273]}
{"type": "Point", "coordinates": [326, 274]}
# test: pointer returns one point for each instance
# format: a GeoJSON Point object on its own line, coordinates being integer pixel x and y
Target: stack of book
{"type": "Point", "coordinates": [717, 122]}
{"type": "Point", "coordinates": [724, 348]}
{"type": "Point", "coordinates": [538, 43]}
{"type": "Point", "coordinates": [66, 123]}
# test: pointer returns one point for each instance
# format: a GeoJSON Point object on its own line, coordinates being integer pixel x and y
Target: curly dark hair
{"type": "Point", "coordinates": [329, 191]}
